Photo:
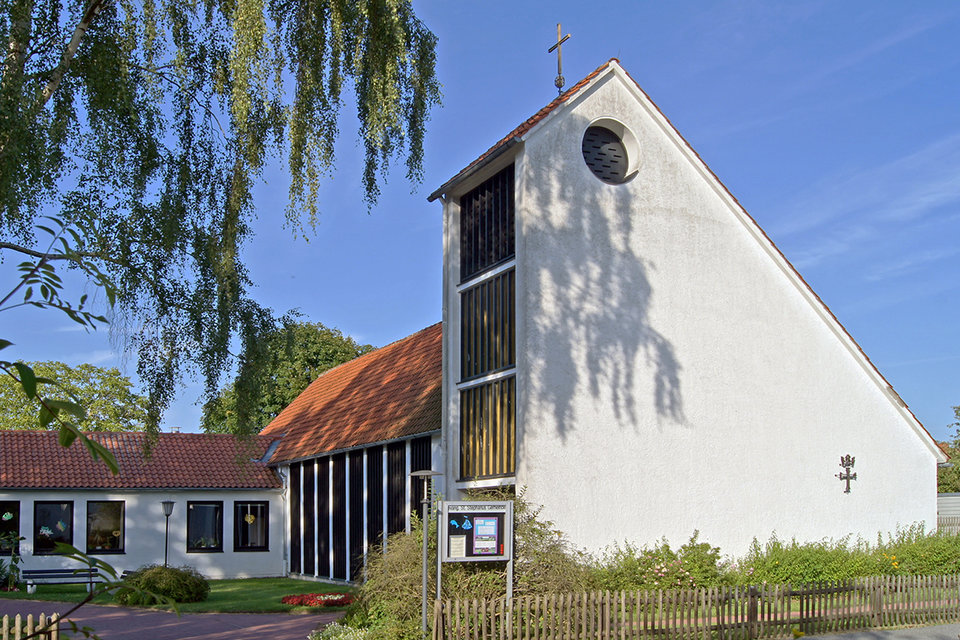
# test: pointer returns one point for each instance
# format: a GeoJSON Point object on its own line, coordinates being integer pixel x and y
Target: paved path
{"type": "Point", "coordinates": [122, 623]}
{"type": "Point", "coordinates": [939, 632]}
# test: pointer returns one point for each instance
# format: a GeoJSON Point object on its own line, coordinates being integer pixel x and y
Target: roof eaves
{"type": "Point", "coordinates": [475, 167]}
{"type": "Point", "coordinates": [331, 452]}
{"type": "Point", "coordinates": [520, 132]}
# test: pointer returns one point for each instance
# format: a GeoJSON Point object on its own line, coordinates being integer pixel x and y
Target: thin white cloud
{"type": "Point", "coordinates": [906, 189]}
{"type": "Point", "coordinates": [853, 59]}
{"type": "Point", "coordinates": [931, 360]}
{"type": "Point", "coordinates": [97, 357]}
{"type": "Point", "coordinates": [910, 264]}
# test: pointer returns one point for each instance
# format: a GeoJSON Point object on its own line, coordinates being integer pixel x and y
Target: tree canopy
{"type": "Point", "coordinates": [108, 397]}
{"type": "Point", "coordinates": [948, 478]}
{"type": "Point", "coordinates": [295, 355]}
{"type": "Point", "coordinates": [142, 127]}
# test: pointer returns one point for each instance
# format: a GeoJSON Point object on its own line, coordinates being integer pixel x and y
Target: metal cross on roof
{"type": "Point", "coordinates": [559, 82]}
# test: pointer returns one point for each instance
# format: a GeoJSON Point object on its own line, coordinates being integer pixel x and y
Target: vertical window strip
{"type": "Point", "coordinates": [487, 224]}
{"type": "Point", "coordinates": [487, 334]}
{"type": "Point", "coordinates": [488, 429]}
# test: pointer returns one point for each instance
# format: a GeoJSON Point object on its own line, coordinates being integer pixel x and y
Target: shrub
{"type": "Point", "coordinates": [779, 562]}
{"type": "Point", "coordinates": [336, 631]}
{"type": "Point", "coordinates": [630, 568]}
{"type": "Point", "coordinates": [389, 602]}
{"type": "Point", "coordinates": [912, 551]}
{"type": "Point", "coordinates": [183, 584]}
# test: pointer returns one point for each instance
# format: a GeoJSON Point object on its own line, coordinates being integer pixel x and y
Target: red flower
{"type": "Point", "coordinates": [318, 600]}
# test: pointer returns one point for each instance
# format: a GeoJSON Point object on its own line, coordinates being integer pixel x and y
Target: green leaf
{"type": "Point", "coordinates": [67, 435]}
{"type": "Point", "coordinates": [97, 450]}
{"type": "Point", "coordinates": [4, 343]}
{"type": "Point", "coordinates": [28, 380]}
{"type": "Point", "coordinates": [69, 407]}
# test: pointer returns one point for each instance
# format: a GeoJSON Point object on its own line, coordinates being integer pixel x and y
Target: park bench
{"type": "Point", "coordinates": [33, 577]}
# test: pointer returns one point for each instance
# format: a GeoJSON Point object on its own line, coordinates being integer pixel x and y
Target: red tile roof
{"type": "Point", "coordinates": [389, 393]}
{"type": "Point", "coordinates": [35, 460]}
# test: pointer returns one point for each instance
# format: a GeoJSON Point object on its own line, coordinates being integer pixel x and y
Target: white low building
{"type": "Point", "coordinates": [227, 519]}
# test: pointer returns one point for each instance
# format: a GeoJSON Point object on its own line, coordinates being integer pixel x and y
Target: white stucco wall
{"type": "Point", "coordinates": [144, 531]}
{"type": "Point", "coordinates": [673, 373]}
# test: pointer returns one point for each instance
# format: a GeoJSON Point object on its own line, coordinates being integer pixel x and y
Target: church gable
{"type": "Point", "coordinates": [653, 316]}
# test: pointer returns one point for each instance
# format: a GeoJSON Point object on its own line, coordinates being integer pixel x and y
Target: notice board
{"type": "Point", "coordinates": [476, 531]}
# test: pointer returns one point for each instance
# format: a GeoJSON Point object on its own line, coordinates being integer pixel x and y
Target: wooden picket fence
{"type": "Point", "coordinates": [721, 613]}
{"type": "Point", "coordinates": [948, 524]}
{"type": "Point", "coordinates": [16, 627]}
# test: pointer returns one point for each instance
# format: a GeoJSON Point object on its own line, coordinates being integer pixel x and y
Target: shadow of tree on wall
{"type": "Point", "coordinates": [594, 294]}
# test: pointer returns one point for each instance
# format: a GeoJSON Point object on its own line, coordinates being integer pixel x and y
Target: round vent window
{"type": "Point", "coordinates": [605, 154]}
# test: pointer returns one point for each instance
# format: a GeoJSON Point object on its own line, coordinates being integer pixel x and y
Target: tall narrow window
{"type": "Point", "coordinates": [105, 526]}
{"type": "Point", "coordinates": [486, 225]}
{"type": "Point", "coordinates": [487, 327]}
{"type": "Point", "coordinates": [52, 523]}
{"type": "Point", "coordinates": [204, 526]}
{"type": "Point", "coordinates": [488, 430]}
{"type": "Point", "coordinates": [9, 526]}
{"type": "Point", "coordinates": [251, 524]}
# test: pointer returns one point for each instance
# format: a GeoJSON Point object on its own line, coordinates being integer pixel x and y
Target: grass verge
{"type": "Point", "coordinates": [247, 595]}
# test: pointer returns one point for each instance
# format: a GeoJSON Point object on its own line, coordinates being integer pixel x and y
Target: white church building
{"type": "Point", "coordinates": [620, 338]}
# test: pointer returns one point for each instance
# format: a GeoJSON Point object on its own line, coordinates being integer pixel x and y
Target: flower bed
{"type": "Point", "coordinates": [318, 600]}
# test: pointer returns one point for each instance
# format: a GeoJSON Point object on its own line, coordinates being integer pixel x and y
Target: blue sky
{"type": "Point", "coordinates": [835, 124]}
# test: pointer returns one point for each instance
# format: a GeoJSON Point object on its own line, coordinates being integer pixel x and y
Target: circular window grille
{"type": "Point", "coordinates": [605, 154]}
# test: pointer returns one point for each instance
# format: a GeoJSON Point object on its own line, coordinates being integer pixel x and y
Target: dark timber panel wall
{"type": "Point", "coordinates": [396, 486]}
{"type": "Point", "coordinates": [295, 517]}
{"type": "Point", "coordinates": [323, 516]}
{"type": "Point", "coordinates": [339, 510]}
{"type": "Point", "coordinates": [374, 495]}
{"type": "Point", "coordinates": [309, 518]}
{"type": "Point", "coordinates": [355, 514]}
{"type": "Point", "coordinates": [337, 507]}
{"type": "Point", "coordinates": [420, 459]}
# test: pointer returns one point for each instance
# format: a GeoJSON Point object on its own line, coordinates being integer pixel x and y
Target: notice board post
{"type": "Point", "coordinates": [476, 531]}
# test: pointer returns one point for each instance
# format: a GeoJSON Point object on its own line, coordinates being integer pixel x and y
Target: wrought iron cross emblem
{"type": "Point", "coordinates": [847, 463]}
{"type": "Point", "coordinates": [559, 82]}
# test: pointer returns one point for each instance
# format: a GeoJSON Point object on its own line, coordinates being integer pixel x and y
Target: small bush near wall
{"type": "Point", "coordinates": [336, 631]}
{"type": "Point", "coordinates": [630, 568]}
{"type": "Point", "coordinates": [182, 584]}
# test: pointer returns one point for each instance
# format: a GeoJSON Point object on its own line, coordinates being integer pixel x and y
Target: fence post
{"type": "Point", "coordinates": [752, 612]}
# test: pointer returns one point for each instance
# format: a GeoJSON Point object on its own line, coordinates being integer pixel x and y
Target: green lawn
{"type": "Point", "coordinates": [248, 595]}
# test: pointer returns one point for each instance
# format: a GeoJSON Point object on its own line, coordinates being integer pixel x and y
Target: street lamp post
{"type": "Point", "coordinates": [426, 474]}
{"type": "Point", "coordinates": [167, 511]}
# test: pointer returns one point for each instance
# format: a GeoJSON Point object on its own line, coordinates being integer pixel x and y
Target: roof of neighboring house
{"type": "Point", "coordinates": [35, 460]}
{"type": "Point", "coordinates": [389, 393]}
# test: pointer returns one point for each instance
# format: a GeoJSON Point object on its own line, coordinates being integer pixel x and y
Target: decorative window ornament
{"type": "Point", "coordinates": [611, 151]}
{"type": "Point", "coordinates": [847, 463]}
{"type": "Point", "coordinates": [605, 154]}
{"type": "Point", "coordinates": [250, 518]}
